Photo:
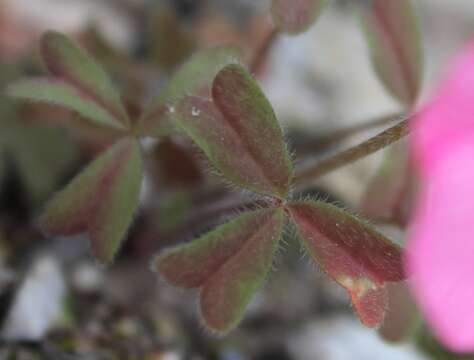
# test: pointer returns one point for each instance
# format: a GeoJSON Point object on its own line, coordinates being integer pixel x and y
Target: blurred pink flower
{"type": "Point", "coordinates": [440, 258]}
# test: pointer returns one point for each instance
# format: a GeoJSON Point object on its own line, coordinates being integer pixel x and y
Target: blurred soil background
{"type": "Point", "coordinates": [57, 303]}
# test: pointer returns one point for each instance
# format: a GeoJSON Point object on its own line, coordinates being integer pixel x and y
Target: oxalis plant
{"type": "Point", "coordinates": [214, 100]}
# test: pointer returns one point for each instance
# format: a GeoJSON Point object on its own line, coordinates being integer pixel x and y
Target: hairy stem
{"type": "Point", "coordinates": [368, 147]}
{"type": "Point", "coordinates": [327, 140]}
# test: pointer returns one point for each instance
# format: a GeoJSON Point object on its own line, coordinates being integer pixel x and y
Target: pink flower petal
{"type": "Point", "coordinates": [449, 117]}
{"type": "Point", "coordinates": [441, 249]}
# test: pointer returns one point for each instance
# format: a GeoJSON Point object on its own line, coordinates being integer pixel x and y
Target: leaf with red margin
{"type": "Point", "coordinates": [100, 201]}
{"type": "Point", "coordinates": [68, 62]}
{"type": "Point", "coordinates": [194, 78]}
{"type": "Point", "coordinates": [296, 16]}
{"type": "Point", "coordinates": [352, 253]}
{"type": "Point", "coordinates": [239, 133]}
{"type": "Point", "coordinates": [393, 34]}
{"type": "Point", "coordinates": [228, 264]}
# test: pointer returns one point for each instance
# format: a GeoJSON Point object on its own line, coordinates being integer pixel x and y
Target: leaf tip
{"type": "Point", "coordinates": [50, 43]}
{"type": "Point", "coordinates": [370, 304]}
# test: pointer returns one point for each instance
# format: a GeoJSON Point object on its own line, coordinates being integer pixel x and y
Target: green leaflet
{"type": "Point", "coordinates": [251, 116]}
{"type": "Point", "coordinates": [100, 201]}
{"type": "Point", "coordinates": [228, 264]}
{"type": "Point", "coordinates": [60, 93]}
{"type": "Point", "coordinates": [393, 34]}
{"type": "Point", "coordinates": [65, 60]}
{"type": "Point", "coordinates": [239, 133]}
{"type": "Point", "coordinates": [296, 16]}
{"type": "Point", "coordinates": [352, 253]}
{"type": "Point", "coordinates": [193, 78]}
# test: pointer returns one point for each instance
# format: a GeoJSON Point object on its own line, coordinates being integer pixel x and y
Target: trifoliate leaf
{"type": "Point", "coordinates": [352, 253]}
{"type": "Point", "coordinates": [68, 62]}
{"type": "Point", "coordinates": [100, 201]}
{"type": "Point", "coordinates": [392, 31]}
{"type": "Point", "coordinates": [58, 92]}
{"type": "Point", "coordinates": [228, 264]}
{"type": "Point", "coordinates": [239, 133]}
{"type": "Point", "coordinates": [295, 16]}
{"type": "Point", "coordinates": [193, 78]}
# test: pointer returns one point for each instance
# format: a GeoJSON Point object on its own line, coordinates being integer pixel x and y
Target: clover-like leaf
{"type": "Point", "coordinates": [195, 77]}
{"type": "Point", "coordinates": [352, 253]}
{"type": "Point", "coordinates": [392, 31]}
{"type": "Point", "coordinates": [100, 201]}
{"type": "Point", "coordinates": [295, 16]}
{"type": "Point", "coordinates": [239, 133]}
{"type": "Point", "coordinates": [228, 264]}
{"type": "Point", "coordinates": [60, 93]}
{"type": "Point", "coordinates": [66, 61]}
